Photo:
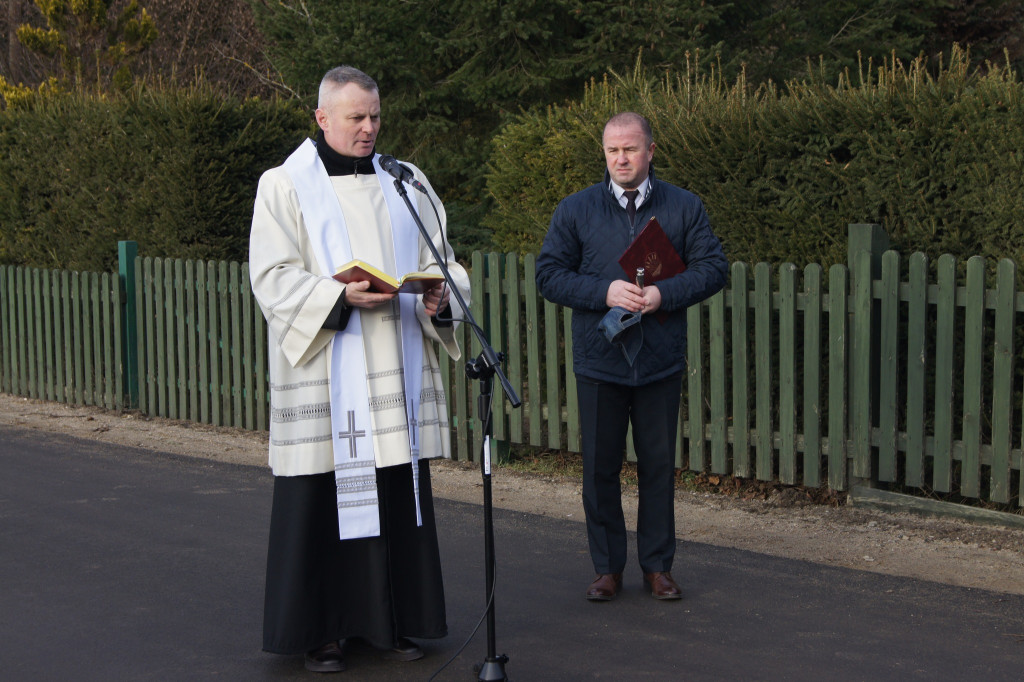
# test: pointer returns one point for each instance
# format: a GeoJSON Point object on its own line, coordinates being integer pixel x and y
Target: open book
{"type": "Point", "coordinates": [382, 282]}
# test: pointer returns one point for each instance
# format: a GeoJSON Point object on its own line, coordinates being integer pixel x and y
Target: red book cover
{"type": "Point", "coordinates": [652, 251]}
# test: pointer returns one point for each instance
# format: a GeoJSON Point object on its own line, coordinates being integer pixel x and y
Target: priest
{"type": "Point", "coordinates": [357, 403]}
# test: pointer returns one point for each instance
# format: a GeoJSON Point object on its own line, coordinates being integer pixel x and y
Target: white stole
{"type": "Point", "coordinates": [354, 462]}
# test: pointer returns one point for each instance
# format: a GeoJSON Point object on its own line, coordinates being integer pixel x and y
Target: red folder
{"type": "Point", "coordinates": [652, 251]}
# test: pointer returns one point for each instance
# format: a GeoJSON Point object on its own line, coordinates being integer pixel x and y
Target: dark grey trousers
{"type": "Point", "coordinates": [606, 411]}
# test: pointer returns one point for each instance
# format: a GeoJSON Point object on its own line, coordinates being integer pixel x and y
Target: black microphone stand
{"type": "Point", "coordinates": [484, 368]}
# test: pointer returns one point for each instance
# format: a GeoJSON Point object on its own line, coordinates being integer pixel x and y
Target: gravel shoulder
{"type": "Point", "coordinates": [943, 550]}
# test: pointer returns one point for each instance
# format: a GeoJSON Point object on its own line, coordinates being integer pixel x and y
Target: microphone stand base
{"type": "Point", "coordinates": [493, 669]}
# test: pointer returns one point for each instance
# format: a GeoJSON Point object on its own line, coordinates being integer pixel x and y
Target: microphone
{"type": "Point", "coordinates": [399, 172]}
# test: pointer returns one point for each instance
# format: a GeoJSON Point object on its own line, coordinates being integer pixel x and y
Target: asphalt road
{"type": "Point", "coordinates": [121, 564]}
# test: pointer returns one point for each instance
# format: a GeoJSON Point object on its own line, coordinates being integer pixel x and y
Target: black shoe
{"type": "Point", "coordinates": [327, 659]}
{"type": "Point", "coordinates": [404, 650]}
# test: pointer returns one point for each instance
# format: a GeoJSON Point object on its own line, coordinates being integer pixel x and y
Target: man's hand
{"type": "Point", "coordinates": [652, 299]}
{"type": "Point", "coordinates": [436, 298]}
{"type": "Point", "coordinates": [358, 295]}
{"type": "Point", "coordinates": [625, 295]}
{"type": "Point", "coordinates": [629, 296]}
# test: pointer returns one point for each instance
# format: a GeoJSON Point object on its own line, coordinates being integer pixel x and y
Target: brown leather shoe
{"type": "Point", "coordinates": [605, 587]}
{"type": "Point", "coordinates": [662, 586]}
{"type": "Point", "coordinates": [330, 658]}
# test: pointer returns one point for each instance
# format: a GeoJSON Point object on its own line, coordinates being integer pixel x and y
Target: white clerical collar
{"type": "Point", "coordinates": [644, 188]}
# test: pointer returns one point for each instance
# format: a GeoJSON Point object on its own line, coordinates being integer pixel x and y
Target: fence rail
{"type": "Point", "coordinates": [875, 370]}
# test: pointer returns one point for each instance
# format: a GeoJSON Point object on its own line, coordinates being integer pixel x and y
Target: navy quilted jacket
{"type": "Point", "coordinates": [589, 231]}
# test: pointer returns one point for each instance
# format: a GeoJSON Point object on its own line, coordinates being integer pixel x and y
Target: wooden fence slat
{"type": "Point", "coordinates": [942, 456]}
{"type": "Point", "coordinates": [96, 326]}
{"type": "Point", "coordinates": [78, 324]}
{"type": "Point", "coordinates": [30, 319]}
{"type": "Point", "coordinates": [811, 363]}
{"type": "Point", "coordinates": [917, 360]}
{"type": "Point", "coordinates": [13, 329]}
{"type": "Point", "coordinates": [861, 369]}
{"type": "Point", "coordinates": [167, 302]}
{"type": "Point", "coordinates": [117, 370]}
{"type": "Point", "coordinates": [696, 449]}
{"type": "Point", "coordinates": [572, 410]}
{"type": "Point", "coordinates": [541, 371]}
{"type": "Point", "coordinates": [47, 337]}
{"type": "Point", "coordinates": [532, 305]}
{"type": "Point", "coordinates": [262, 389]}
{"type": "Point", "coordinates": [153, 318]}
{"type": "Point", "coordinates": [1002, 381]}
{"type": "Point", "coordinates": [213, 338]}
{"type": "Point", "coordinates": [40, 338]}
{"type": "Point", "coordinates": [7, 328]}
{"type": "Point", "coordinates": [234, 276]}
{"type": "Point", "coordinates": [181, 379]}
{"type": "Point", "coordinates": [496, 327]}
{"type": "Point", "coordinates": [717, 377]}
{"type": "Point", "coordinates": [142, 334]}
{"type": "Point", "coordinates": [249, 368]}
{"type": "Point", "coordinates": [5, 331]}
{"type": "Point", "coordinates": [837, 330]}
{"type": "Point", "coordinates": [514, 356]}
{"type": "Point", "coordinates": [537, 364]}
{"type": "Point", "coordinates": [888, 395]}
{"type": "Point", "coordinates": [203, 340]}
{"type": "Point", "coordinates": [107, 325]}
{"type": "Point", "coordinates": [86, 323]}
{"type": "Point", "coordinates": [478, 305]}
{"type": "Point", "coordinates": [192, 408]}
{"type": "Point", "coordinates": [763, 373]}
{"type": "Point", "coordinates": [974, 320]}
{"type": "Point", "coordinates": [553, 370]}
{"type": "Point", "coordinates": [15, 334]}
{"type": "Point", "coordinates": [59, 317]}
{"type": "Point", "coordinates": [521, 288]}
{"type": "Point", "coordinates": [787, 373]}
{"type": "Point", "coordinates": [462, 409]}
{"type": "Point", "coordinates": [160, 335]}
{"type": "Point", "coordinates": [740, 282]}
{"type": "Point", "coordinates": [224, 348]}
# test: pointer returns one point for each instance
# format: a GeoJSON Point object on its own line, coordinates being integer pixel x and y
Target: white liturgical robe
{"type": "Point", "coordinates": [296, 298]}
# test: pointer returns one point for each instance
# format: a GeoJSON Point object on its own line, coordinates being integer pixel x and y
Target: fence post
{"type": "Point", "coordinates": [866, 244]}
{"type": "Point", "coordinates": [126, 254]}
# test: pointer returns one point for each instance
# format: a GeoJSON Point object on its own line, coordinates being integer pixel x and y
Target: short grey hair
{"type": "Point", "coordinates": [340, 76]}
{"type": "Point", "coordinates": [627, 118]}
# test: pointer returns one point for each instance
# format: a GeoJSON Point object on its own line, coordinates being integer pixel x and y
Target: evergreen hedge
{"type": "Point", "coordinates": [936, 158]}
{"type": "Point", "coordinates": [173, 169]}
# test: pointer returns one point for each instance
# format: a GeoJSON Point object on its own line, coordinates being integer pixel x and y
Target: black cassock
{"type": "Point", "coordinates": [320, 588]}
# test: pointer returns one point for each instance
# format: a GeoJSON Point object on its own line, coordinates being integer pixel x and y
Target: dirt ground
{"type": "Point", "coordinates": [942, 550]}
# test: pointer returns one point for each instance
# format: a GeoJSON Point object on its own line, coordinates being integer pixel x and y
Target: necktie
{"type": "Point", "coordinates": [631, 195]}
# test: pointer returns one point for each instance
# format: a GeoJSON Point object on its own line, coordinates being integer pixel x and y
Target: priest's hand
{"type": "Point", "coordinates": [625, 295]}
{"type": "Point", "coordinates": [436, 298]}
{"type": "Point", "coordinates": [358, 295]}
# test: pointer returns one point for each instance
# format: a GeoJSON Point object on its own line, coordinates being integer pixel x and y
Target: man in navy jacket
{"type": "Point", "coordinates": [578, 267]}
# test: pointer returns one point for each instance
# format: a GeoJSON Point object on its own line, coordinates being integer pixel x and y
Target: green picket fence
{"type": "Point", "coordinates": [869, 371]}
{"type": "Point", "coordinates": [61, 336]}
